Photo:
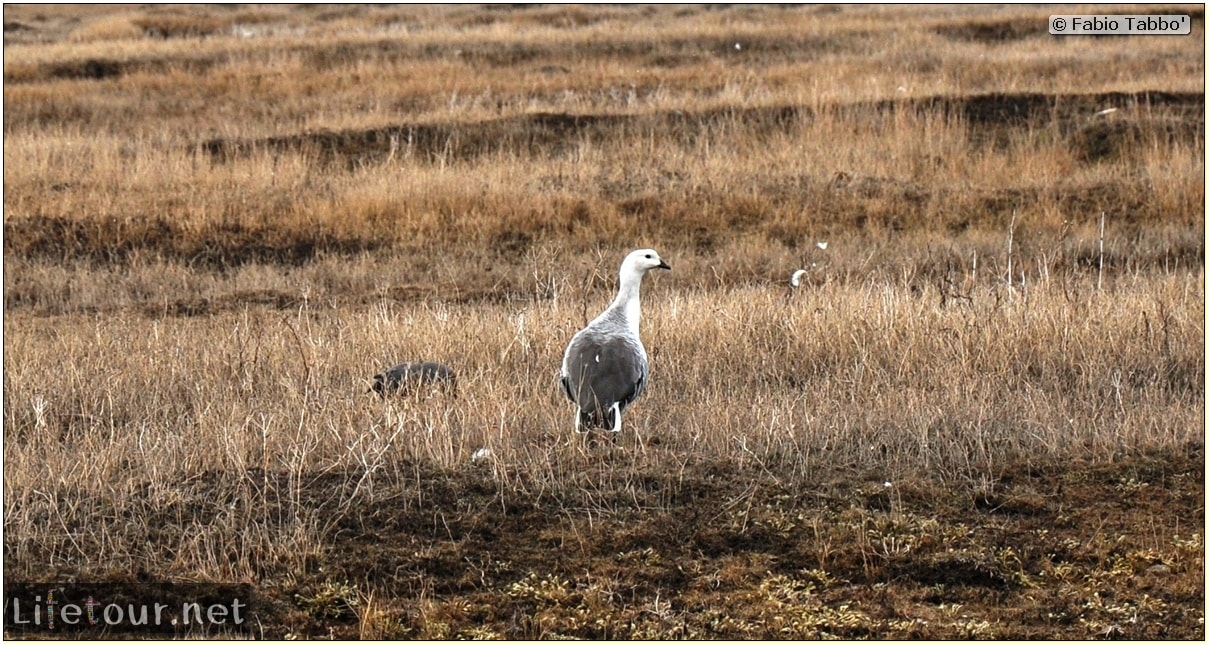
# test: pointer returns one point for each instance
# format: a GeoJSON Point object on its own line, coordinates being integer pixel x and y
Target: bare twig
{"type": "Point", "coordinates": [1011, 233]}
{"type": "Point", "coordinates": [1100, 276]}
{"type": "Point", "coordinates": [306, 363]}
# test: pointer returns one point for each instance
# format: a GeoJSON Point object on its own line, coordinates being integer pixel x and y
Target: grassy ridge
{"type": "Point", "coordinates": [523, 135]}
{"type": "Point", "coordinates": [934, 189]}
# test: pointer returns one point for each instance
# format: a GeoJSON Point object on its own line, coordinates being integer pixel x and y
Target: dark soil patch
{"type": "Point", "coordinates": [1106, 139]}
{"type": "Point", "coordinates": [994, 32]}
{"type": "Point", "coordinates": [89, 69]}
{"type": "Point", "coordinates": [97, 69]}
{"type": "Point", "coordinates": [551, 133]}
{"type": "Point", "coordinates": [112, 240]}
{"type": "Point", "coordinates": [704, 553]}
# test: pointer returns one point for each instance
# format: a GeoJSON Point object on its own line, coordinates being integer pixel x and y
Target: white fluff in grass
{"type": "Point", "coordinates": [795, 279]}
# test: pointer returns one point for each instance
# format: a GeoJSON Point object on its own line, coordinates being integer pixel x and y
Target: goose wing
{"type": "Point", "coordinates": [602, 369]}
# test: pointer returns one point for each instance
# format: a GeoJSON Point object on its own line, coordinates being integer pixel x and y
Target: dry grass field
{"type": "Point", "coordinates": [981, 415]}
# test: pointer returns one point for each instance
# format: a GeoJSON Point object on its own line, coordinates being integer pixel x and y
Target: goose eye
{"type": "Point", "coordinates": [648, 256]}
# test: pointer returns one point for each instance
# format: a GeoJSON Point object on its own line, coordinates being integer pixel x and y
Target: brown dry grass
{"type": "Point", "coordinates": [219, 222]}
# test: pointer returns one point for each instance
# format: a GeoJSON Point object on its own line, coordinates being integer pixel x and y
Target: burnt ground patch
{"type": "Point", "coordinates": [1179, 115]}
{"type": "Point", "coordinates": [225, 245]}
{"type": "Point", "coordinates": [97, 69]}
{"type": "Point", "coordinates": [1106, 139]}
{"type": "Point", "coordinates": [1023, 109]}
{"type": "Point", "coordinates": [995, 31]}
{"type": "Point", "coordinates": [92, 68]}
{"type": "Point", "coordinates": [530, 134]}
{"type": "Point", "coordinates": [456, 553]}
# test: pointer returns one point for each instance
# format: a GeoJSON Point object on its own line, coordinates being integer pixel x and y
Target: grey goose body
{"type": "Point", "coordinates": [408, 377]}
{"type": "Point", "coordinates": [605, 366]}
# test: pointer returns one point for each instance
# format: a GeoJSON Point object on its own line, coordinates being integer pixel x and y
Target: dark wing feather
{"type": "Point", "coordinates": [603, 370]}
{"type": "Point", "coordinates": [566, 383]}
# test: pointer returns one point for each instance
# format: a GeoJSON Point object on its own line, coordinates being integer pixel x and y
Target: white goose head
{"type": "Point", "coordinates": [640, 261]}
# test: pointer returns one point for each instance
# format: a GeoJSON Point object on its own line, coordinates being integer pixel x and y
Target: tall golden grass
{"type": "Point", "coordinates": [107, 417]}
